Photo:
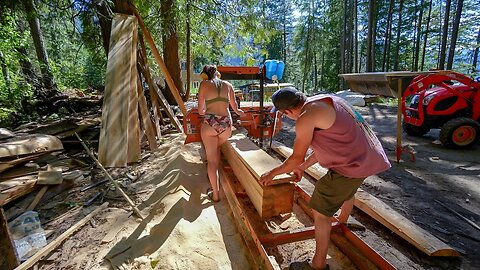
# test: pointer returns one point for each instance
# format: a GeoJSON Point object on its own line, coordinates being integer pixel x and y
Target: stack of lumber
{"type": "Point", "coordinates": [125, 112]}
{"type": "Point", "coordinates": [249, 162]}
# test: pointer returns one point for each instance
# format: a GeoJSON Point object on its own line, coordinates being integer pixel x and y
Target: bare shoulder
{"type": "Point", "coordinates": [320, 113]}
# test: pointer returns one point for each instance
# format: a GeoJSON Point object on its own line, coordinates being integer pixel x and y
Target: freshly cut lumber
{"type": "Point", "coordinates": [403, 227]}
{"type": "Point", "coordinates": [256, 160]}
{"type": "Point", "coordinates": [29, 144]}
{"type": "Point", "coordinates": [387, 216]}
{"type": "Point", "coordinates": [269, 201]}
{"type": "Point", "coordinates": [133, 134]}
{"type": "Point", "coordinates": [52, 245]}
{"type": "Point", "coordinates": [113, 142]}
{"type": "Point", "coordinates": [37, 198]}
{"type": "Point", "coordinates": [316, 171]}
{"type": "Point", "coordinates": [257, 251]}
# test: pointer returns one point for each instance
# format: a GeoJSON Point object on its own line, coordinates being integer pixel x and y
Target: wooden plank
{"type": "Point", "coordinates": [37, 199]}
{"type": "Point", "coordinates": [8, 260]}
{"type": "Point", "coordinates": [29, 144]}
{"type": "Point", "coordinates": [113, 142]}
{"type": "Point", "coordinates": [18, 172]}
{"type": "Point", "coordinates": [52, 245]}
{"type": "Point", "coordinates": [384, 214]}
{"type": "Point", "coordinates": [163, 101]}
{"type": "Point", "coordinates": [255, 247]}
{"type": "Point", "coordinates": [401, 226]}
{"type": "Point", "coordinates": [262, 197]}
{"type": "Point", "coordinates": [16, 188]}
{"type": "Point", "coordinates": [134, 147]}
{"type": "Point", "coordinates": [161, 64]}
{"type": "Point", "coordinates": [144, 69]}
{"type": "Point", "coordinates": [7, 164]}
{"type": "Point", "coordinates": [256, 160]}
{"type": "Point", "coordinates": [316, 171]}
{"type": "Point", "coordinates": [146, 120]}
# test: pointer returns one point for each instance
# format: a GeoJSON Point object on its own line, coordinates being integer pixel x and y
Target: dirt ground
{"type": "Point", "coordinates": [185, 230]}
{"type": "Point", "coordinates": [412, 188]}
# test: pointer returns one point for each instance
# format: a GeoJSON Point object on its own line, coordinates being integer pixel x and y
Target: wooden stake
{"type": "Point", "coordinates": [135, 209]}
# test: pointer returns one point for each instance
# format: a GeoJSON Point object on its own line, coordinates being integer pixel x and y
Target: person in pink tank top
{"type": "Point", "coordinates": [342, 142]}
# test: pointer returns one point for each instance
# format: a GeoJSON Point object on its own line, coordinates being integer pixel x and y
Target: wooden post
{"type": "Point", "coordinates": [398, 149]}
{"type": "Point", "coordinates": [8, 259]}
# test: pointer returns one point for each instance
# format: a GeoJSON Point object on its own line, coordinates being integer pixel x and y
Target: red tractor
{"type": "Point", "coordinates": [446, 100]}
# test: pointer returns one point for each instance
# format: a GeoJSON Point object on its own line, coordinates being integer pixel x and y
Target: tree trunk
{"type": "Point", "coordinates": [356, 35]}
{"type": "Point", "coordinates": [307, 48]}
{"type": "Point", "coordinates": [371, 36]}
{"type": "Point", "coordinates": [6, 75]}
{"type": "Point", "coordinates": [399, 26]}
{"type": "Point", "coordinates": [170, 47]}
{"type": "Point", "coordinates": [475, 54]}
{"type": "Point", "coordinates": [426, 35]}
{"type": "Point", "coordinates": [386, 44]}
{"type": "Point", "coordinates": [417, 42]}
{"type": "Point", "coordinates": [453, 41]}
{"type": "Point", "coordinates": [443, 47]}
{"type": "Point", "coordinates": [42, 55]}
{"type": "Point", "coordinates": [189, 58]}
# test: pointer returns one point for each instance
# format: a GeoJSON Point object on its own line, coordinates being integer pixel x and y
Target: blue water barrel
{"type": "Point", "coordinates": [280, 69]}
{"type": "Point", "coordinates": [270, 68]}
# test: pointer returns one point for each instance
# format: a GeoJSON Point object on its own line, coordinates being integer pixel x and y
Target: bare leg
{"type": "Point", "coordinates": [322, 239]}
{"type": "Point", "coordinates": [346, 209]}
{"type": "Point", "coordinates": [210, 141]}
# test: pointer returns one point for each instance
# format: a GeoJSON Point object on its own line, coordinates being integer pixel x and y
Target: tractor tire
{"type": "Point", "coordinates": [417, 131]}
{"type": "Point", "coordinates": [460, 133]}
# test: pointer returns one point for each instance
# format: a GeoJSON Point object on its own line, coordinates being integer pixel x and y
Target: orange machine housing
{"type": "Point", "coordinates": [250, 121]}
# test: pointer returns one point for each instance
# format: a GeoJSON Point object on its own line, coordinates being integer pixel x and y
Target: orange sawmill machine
{"type": "Point", "coordinates": [258, 120]}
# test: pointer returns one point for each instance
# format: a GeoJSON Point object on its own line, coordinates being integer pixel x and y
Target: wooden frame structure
{"type": "Point", "coordinates": [389, 84]}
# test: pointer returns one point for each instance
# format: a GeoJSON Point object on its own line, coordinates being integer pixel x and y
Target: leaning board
{"type": "Point", "coordinates": [113, 143]}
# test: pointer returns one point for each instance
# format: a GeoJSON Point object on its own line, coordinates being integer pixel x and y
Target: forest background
{"type": "Point", "coordinates": [47, 47]}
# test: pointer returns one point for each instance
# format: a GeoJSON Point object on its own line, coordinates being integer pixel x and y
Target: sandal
{"type": "Point", "coordinates": [210, 194]}
{"type": "Point", "coordinates": [305, 265]}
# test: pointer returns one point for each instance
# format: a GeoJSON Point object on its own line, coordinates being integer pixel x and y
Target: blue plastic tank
{"type": "Point", "coordinates": [270, 68]}
{"type": "Point", "coordinates": [280, 69]}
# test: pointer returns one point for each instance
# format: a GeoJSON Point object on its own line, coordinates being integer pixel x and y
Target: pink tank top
{"type": "Point", "coordinates": [349, 146]}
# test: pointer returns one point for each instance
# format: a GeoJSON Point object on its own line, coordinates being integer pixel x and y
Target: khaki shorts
{"type": "Point", "coordinates": [331, 191]}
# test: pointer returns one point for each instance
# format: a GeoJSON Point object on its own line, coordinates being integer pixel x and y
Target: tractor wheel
{"type": "Point", "coordinates": [460, 133]}
{"type": "Point", "coordinates": [417, 131]}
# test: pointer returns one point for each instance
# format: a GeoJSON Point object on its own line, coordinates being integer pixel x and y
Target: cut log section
{"type": "Point", "coordinates": [240, 151]}
{"type": "Point", "coordinates": [387, 216]}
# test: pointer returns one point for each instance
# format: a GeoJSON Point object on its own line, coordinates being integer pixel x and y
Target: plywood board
{"type": "Point", "coordinates": [113, 142]}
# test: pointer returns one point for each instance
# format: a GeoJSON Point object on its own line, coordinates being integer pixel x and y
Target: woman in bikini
{"type": "Point", "coordinates": [214, 98]}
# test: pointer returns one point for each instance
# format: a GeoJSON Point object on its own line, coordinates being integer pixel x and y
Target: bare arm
{"type": "Point", "coordinates": [312, 159]}
{"type": "Point", "coordinates": [319, 115]}
{"type": "Point", "coordinates": [233, 104]}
